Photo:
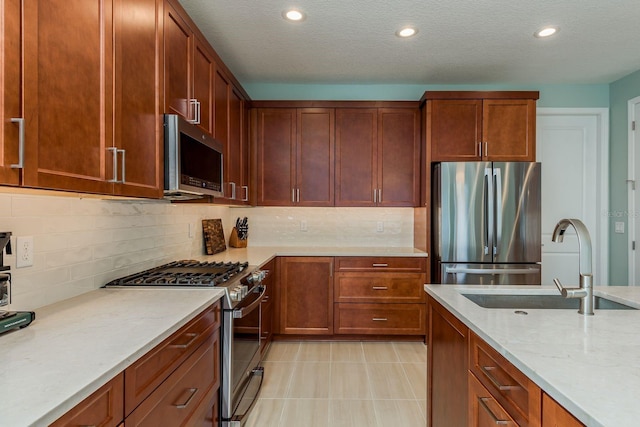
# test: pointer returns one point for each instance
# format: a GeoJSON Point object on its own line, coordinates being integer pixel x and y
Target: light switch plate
{"type": "Point", "coordinates": [619, 227]}
{"type": "Point", "coordinates": [380, 226]}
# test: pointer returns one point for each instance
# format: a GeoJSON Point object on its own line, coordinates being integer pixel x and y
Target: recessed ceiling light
{"type": "Point", "coordinates": [293, 15]}
{"type": "Point", "coordinates": [546, 32]}
{"type": "Point", "coordinates": [406, 32]}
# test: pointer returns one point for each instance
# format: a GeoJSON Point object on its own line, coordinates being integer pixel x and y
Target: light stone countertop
{"type": "Point", "coordinates": [259, 255]}
{"type": "Point", "coordinates": [77, 345]}
{"type": "Point", "coordinates": [589, 364]}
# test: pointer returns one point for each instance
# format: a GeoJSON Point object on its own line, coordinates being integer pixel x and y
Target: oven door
{"type": "Point", "coordinates": [242, 375]}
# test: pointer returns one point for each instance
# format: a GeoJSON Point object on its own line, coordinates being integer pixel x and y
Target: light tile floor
{"type": "Point", "coordinates": [342, 384]}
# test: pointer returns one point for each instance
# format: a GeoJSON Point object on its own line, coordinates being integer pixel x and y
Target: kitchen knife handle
{"type": "Point", "coordinates": [20, 122]}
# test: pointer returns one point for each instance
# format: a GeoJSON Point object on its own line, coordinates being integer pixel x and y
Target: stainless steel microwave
{"type": "Point", "coordinates": [193, 161]}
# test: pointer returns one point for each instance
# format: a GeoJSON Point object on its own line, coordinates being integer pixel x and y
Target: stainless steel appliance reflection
{"type": "Point", "coordinates": [486, 223]}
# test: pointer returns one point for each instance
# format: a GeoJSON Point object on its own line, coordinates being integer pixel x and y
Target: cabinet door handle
{"type": "Point", "coordinates": [193, 337]}
{"type": "Point", "coordinates": [123, 162]}
{"type": "Point", "coordinates": [379, 288]}
{"type": "Point", "coordinates": [297, 195]}
{"type": "Point", "coordinates": [192, 392]}
{"type": "Point", "coordinates": [486, 149]}
{"type": "Point", "coordinates": [20, 122]}
{"type": "Point", "coordinates": [233, 190]}
{"type": "Point", "coordinates": [195, 105]}
{"type": "Point", "coordinates": [375, 193]}
{"type": "Point", "coordinates": [380, 264]}
{"type": "Point", "coordinates": [246, 193]}
{"type": "Point", "coordinates": [379, 195]}
{"type": "Point", "coordinates": [293, 195]}
{"type": "Point", "coordinates": [487, 370]}
{"type": "Point", "coordinates": [114, 153]}
{"type": "Point", "coordinates": [497, 421]}
{"type": "Point", "coordinates": [379, 319]}
{"type": "Point", "coordinates": [479, 149]}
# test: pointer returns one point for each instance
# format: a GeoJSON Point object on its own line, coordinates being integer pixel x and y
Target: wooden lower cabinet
{"type": "Point", "coordinates": [103, 408]}
{"type": "Point", "coordinates": [379, 319]}
{"type": "Point", "coordinates": [174, 384]}
{"type": "Point", "coordinates": [554, 415]}
{"type": "Point", "coordinates": [306, 295]}
{"type": "Point", "coordinates": [187, 396]}
{"type": "Point", "coordinates": [470, 384]}
{"type": "Point", "coordinates": [484, 409]}
{"type": "Point", "coordinates": [447, 366]}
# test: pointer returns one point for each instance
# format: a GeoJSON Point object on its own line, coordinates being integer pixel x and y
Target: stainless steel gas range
{"type": "Point", "coordinates": [241, 374]}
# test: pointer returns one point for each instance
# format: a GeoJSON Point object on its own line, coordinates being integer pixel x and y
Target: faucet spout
{"type": "Point", "coordinates": [585, 291]}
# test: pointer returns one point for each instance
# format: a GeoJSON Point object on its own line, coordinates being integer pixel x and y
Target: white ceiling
{"type": "Point", "coordinates": [459, 41]}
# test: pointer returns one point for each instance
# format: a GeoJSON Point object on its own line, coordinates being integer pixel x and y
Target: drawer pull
{"type": "Point", "coordinates": [193, 336]}
{"type": "Point", "coordinates": [380, 288]}
{"type": "Point", "coordinates": [488, 373]}
{"type": "Point", "coordinates": [379, 319]}
{"type": "Point", "coordinates": [380, 264]}
{"type": "Point", "coordinates": [496, 420]}
{"type": "Point", "coordinates": [192, 392]}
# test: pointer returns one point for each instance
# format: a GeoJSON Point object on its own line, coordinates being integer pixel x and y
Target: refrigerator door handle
{"type": "Point", "coordinates": [497, 184]}
{"type": "Point", "coordinates": [462, 270]}
{"type": "Point", "coordinates": [488, 209]}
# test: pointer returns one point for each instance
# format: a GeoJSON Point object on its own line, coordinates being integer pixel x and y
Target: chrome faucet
{"type": "Point", "coordinates": [585, 291]}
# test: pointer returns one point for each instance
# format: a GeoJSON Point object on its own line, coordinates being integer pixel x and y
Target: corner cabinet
{"type": "Point", "coordinates": [377, 157]}
{"type": "Point", "coordinates": [474, 126]}
{"type": "Point", "coordinates": [295, 156]}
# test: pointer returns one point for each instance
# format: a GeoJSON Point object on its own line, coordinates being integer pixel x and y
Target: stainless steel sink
{"type": "Point", "coordinates": [540, 301]}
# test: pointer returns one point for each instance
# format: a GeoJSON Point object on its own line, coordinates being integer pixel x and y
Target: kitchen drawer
{"type": "Point", "coordinates": [395, 264]}
{"type": "Point", "coordinates": [188, 393]}
{"type": "Point", "coordinates": [379, 287]}
{"type": "Point", "coordinates": [510, 387]}
{"type": "Point", "coordinates": [143, 376]}
{"type": "Point", "coordinates": [103, 408]}
{"type": "Point", "coordinates": [484, 410]}
{"type": "Point", "coordinates": [381, 319]}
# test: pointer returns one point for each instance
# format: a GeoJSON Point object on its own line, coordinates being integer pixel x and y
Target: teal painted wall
{"type": "Point", "coordinates": [550, 95]}
{"type": "Point", "coordinates": [620, 92]}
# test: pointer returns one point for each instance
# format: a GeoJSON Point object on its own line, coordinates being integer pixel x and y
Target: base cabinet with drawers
{"type": "Point", "coordinates": [470, 383]}
{"type": "Point", "coordinates": [175, 383]}
{"type": "Point", "coordinates": [379, 295]}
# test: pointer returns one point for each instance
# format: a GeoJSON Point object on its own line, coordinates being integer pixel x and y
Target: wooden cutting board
{"type": "Point", "coordinates": [213, 236]}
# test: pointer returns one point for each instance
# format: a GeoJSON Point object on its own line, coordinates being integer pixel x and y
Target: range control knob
{"type": "Point", "coordinates": [257, 276]}
{"type": "Point", "coordinates": [233, 295]}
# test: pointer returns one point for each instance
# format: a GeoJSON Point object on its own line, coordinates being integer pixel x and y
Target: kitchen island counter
{"type": "Point", "coordinates": [588, 364]}
{"type": "Point", "coordinates": [77, 345]}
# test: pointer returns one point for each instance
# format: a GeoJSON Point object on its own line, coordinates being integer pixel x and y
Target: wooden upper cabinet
{"type": "Point", "coordinates": [138, 102]}
{"type": "Point", "coordinates": [378, 157]}
{"type": "Point", "coordinates": [10, 90]}
{"type": "Point", "coordinates": [356, 156]}
{"type": "Point", "coordinates": [398, 157]}
{"type": "Point", "coordinates": [295, 156]}
{"type": "Point", "coordinates": [68, 92]}
{"type": "Point", "coordinates": [235, 149]}
{"type": "Point", "coordinates": [315, 151]}
{"type": "Point", "coordinates": [178, 41]}
{"type": "Point", "coordinates": [276, 133]}
{"type": "Point", "coordinates": [472, 126]}
{"type": "Point", "coordinates": [203, 73]}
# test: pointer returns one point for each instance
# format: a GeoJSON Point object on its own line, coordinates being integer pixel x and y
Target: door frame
{"type": "Point", "coordinates": [601, 250]}
{"type": "Point", "coordinates": [631, 194]}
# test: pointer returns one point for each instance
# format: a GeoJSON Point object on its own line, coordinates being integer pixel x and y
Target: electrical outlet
{"type": "Point", "coordinates": [24, 251]}
{"type": "Point", "coordinates": [380, 226]}
{"type": "Point", "coordinates": [192, 228]}
{"type": "Point", "coordinates": [303, 225]}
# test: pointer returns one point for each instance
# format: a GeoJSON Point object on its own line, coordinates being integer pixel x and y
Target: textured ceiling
{"type": "Point", "coordinates": [459, 41]}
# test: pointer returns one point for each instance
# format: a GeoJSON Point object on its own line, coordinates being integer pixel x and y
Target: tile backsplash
{"type": "Point", "coordinates": [82, 243]}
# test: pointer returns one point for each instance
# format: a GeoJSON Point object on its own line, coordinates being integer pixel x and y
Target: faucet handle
{"type": "Point", "coordinates": [562, 290]}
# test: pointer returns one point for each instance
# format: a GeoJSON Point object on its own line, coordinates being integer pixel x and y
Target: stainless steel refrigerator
{"type": "Point", "coordinates": [486, 223]}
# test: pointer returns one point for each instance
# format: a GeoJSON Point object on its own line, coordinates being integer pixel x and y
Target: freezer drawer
{"type": "Point", "coordinates": [490, 274]}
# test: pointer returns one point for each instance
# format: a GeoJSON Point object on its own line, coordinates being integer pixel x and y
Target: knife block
{"type": "Point", "coordinates": [234, 241]}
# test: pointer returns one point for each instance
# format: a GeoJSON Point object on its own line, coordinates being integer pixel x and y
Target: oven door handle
{"type": "Point", "coordinates": [244, 311]}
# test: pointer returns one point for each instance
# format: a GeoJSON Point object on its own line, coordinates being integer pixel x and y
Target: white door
{"type": "Point", "coordinates": [572, 145]}
{"type": "Point", "coordinates": [634, 192]}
